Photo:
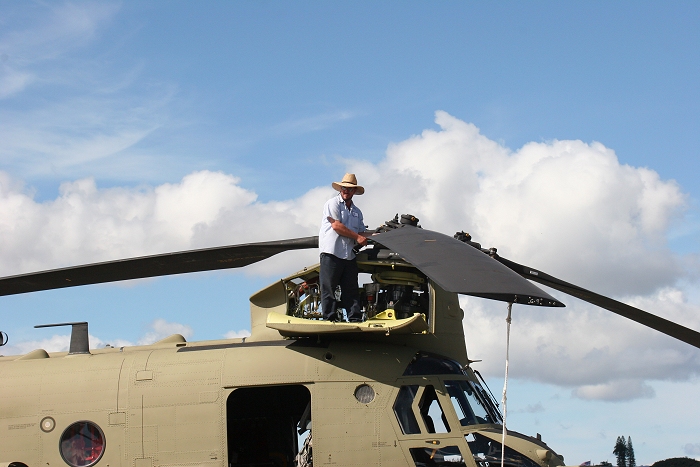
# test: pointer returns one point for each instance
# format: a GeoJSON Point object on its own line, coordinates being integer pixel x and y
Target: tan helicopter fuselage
{"type": "Point", "coordinates": [245, 401]}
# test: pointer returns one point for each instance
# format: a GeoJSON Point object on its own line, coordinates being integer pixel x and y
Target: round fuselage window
{"type": "Point", "coordinates": [364, 393]}
{"type": "Point", "coordinates": [82, 444]}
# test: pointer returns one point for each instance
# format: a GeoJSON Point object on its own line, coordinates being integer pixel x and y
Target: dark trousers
{"type": "Point", "coordinates": [343, 272]}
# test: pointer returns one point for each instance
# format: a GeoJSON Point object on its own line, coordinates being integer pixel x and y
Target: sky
{"type": "Point", "coordinates": [562, 133]}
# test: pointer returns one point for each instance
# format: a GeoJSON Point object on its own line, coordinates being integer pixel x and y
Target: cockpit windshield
{"type": "Point", "coordinates": [471, 409]}
{"type": "Point", "coordinates": [428, 364]}
{"type": "Point", "coordinates": [472, 403]}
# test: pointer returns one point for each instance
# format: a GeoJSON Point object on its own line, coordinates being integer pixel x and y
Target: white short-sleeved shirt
{"type": "Point", "coordinates": [328, 240]}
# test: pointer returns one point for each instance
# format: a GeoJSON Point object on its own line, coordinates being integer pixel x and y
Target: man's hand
{"type": "Point", "coordinates": [342, 230]}
{"type": "Point", "coordinates": [361, 240]}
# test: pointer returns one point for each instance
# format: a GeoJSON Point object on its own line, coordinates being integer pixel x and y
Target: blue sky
{"type": "Point", "coordinates": [564, 133]}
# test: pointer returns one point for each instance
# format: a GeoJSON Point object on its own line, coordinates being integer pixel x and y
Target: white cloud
{"type": "Point", "coordinates": [158, 329]}
{"type": "Point", "coordinates": [567, 195]}
{"type": "Point", "coordinates": [566, 207]}
{"type": "Point", "coordinates": [598, 354]}
{"type": "Point", "coordinates": [28, 52]}
{"type": "Point", "coordinates": [237, 334]}
{"type": "Point", "coordinates": [57, 343]}
{"type": "Point", "coordinates": [615, 391]}
{"type": "Point", "coordinates": [87, 224]}
{"type": "Point", "coordinates": [70, 134]}
{"type": "Point", "coordinates": [309, 124]}
{"type": "Point", "coordinates": [161, 329]}
{"type": "Point", "coordinates": [12, 81]}
{"type": "Point", "coordinates": [81, 110]}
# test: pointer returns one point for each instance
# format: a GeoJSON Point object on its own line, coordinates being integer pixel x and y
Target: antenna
{"type": "Point", "coordinates": [79, 341]}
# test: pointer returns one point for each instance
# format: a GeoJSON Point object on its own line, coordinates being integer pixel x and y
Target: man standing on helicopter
{"type": "Point", "coordinates": [342, 227]}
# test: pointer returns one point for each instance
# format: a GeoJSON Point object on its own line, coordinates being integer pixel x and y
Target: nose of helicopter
{"type": "Point", "coordinates": [520, 450]}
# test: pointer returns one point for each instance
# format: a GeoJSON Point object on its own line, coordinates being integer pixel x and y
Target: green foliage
{"type": "Point", "coordinates": [624, 452]}
{"type": "Point", "coordinates": [631, 462]}
{"type": "Point", "coordinates": [620, 451]}
{"type": "Point", "coordinates": [677, 462]}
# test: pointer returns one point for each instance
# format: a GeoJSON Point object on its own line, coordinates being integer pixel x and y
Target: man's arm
{"type": "Point", "coordinates": [341, 229]}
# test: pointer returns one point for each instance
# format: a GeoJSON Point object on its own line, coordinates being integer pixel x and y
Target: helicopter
{"type": "Point", "coordinates": [396, 389]}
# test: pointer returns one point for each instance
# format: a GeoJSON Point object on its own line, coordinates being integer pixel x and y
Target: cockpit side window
{"type": "Point", "coordinates": [404, 412]}
{"type": "Point", "coordinates": [471, 410]}
{"type": "Point", "coordinates": [437, 456]}
{"type": "Point", "coordinates": [428, 408]}
{"type": "Point", "coordinates": [432, 413]}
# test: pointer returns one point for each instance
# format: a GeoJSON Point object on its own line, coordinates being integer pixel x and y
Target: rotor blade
{"type": "Point", "coordinates": [208, 259]}
{"type": "Point", "coordinates": [665, 326]}
{"type": "Point", "coordinates": [458, 267]}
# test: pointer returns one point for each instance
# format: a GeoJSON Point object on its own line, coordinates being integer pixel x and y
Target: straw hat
{"type": "Point", "coordinates": [349, 181]}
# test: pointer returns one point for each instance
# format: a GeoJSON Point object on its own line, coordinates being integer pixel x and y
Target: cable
{"type": "Point", "coordinates": [505, 387]}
